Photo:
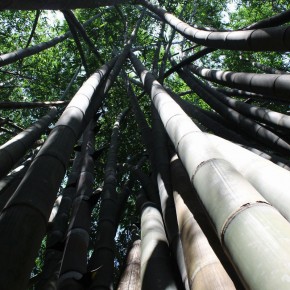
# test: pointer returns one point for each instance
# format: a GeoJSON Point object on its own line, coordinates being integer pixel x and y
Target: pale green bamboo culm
{"type": "Point", "coordinates": [247, 225]}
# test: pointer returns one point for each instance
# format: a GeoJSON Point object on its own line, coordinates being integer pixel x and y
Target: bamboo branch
{"type": "Point", "coordinates": [14, 149]}
{"type": "Point", "coordinates": [77, 42]}
{"type": "Point", "coordinates": [70, 15]}
{"type": "Point", "coordinates": [25, 105]}
{"type": "Point", "coordinates": [33, 28]}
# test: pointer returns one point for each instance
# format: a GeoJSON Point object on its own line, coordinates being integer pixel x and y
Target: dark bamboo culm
{"type": "Point", "coordinates": [59, 5]}
{"type": "Point", "coordinates": [272, 38]}
{"type": "Point", "coordinates": [259, 172]}
{"type": "Point", "coordinates": [224, 132]}
{"type": "Point", "coordinates": [272, 118]}
{"type": "Point", "coordinates": [78, 44]}
{"type": "Point", "coordinates": [249, 126]}
{"type": "Point", "coordinates": [58, 229]}
{"type": "Point", "coordinates": [274, 85]}
{"type": "Point", "coordinates": [9, 183]}
{"type": "Point", "coordinates": [34, 198]}
{"type": "Point", "coordinates": [14, 149]}
{"type": "Point", "coordinates": [80, 28]}
{"type": "Point", "coordinates": [244, 94]}
{"type": "Point", "coordinates": [21, 105]}
{"type": "Point", "coordinates": [156, 267]}
{"type": "Point", "coordinates": [112, 76]}
{"type": "Point", "coordinates": [74, 261]}
{"type": "Point", "coordinates": [102, 259]}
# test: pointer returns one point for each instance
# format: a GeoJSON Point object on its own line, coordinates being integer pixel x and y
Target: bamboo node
{"type": "Point", "coordinates": [237, 212]}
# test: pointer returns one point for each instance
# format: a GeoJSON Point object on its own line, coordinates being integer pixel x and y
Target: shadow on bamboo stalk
{"type": "Point", "coordinates": [207, 265]}
{"type": "Point", "coordinates": [162, 178]}
{"type": "Point", "coordinates": [156, 268]}
{"type": "Point", "coordinates": [131, 276]}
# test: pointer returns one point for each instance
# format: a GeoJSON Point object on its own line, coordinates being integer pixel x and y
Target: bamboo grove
{"type": "Point", "coordinates": [144, 145]}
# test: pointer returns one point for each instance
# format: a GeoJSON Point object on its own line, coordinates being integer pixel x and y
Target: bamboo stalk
{"type": "Point", "coordinates": [74, 261]}
{"type": "Point", "coordinates": [204, 269]}
{"type": "Point", "coordinates": [78, 44]}
{"type": "Point", "coordinates": [83, 33]}
{"type": "Point", "coordinates": [11, 57]}
{"type": "Point", "coordinates": [11, 183]}
{"type": "Point", "coordinates": [162, 176]}
{"type": "Point", "coordinates": [102, 258]}
{"type": "Point", "coordinates": [14, 149]}
{"type": "Point", "coordinates": [22, 105]}
{"type": "Point", "coordinates": [274, 85]}
{"type": "Point", "coordinates": [34, 198]}
{"type": "Point", "coordinates": [273, 38]}
{"type": "Point", "coordinates": [131, 276]}
{"type": "Point", "coordinates": [260, 172]}
{"type": "Point", "coordinates": [156, 271]}
{"type": "Point", "coordinates": [52, 5]}
{"type": "Point", "coordinates": [249, 126]}
{"type": "Point", "coordinates": [247, 225]}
